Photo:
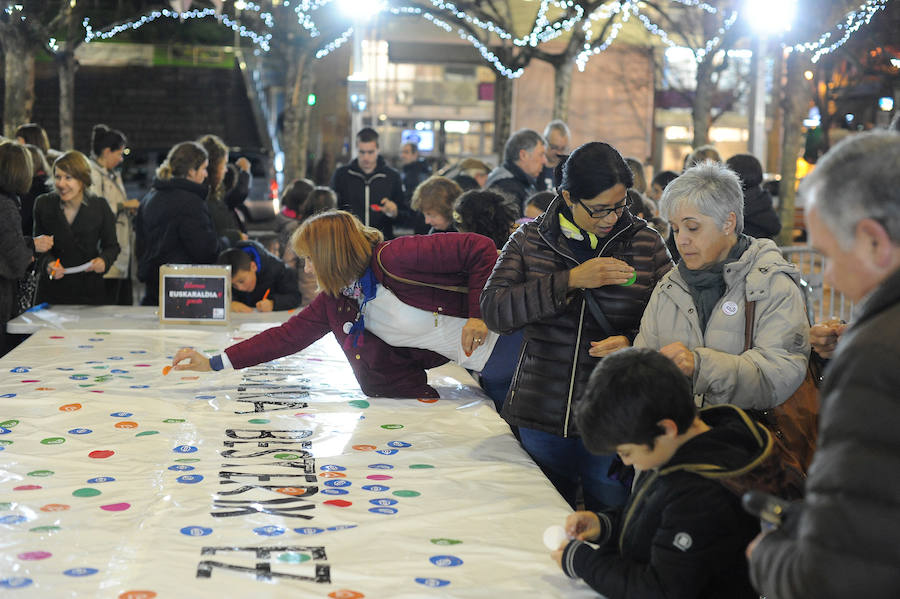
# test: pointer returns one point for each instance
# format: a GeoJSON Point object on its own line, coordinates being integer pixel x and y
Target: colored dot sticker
{"type": "Point", "coordinates": [379, 477]}
{"type": "Point", "coordinates": [630, 281]}
{"type": "Point", "coordinates": [13, 519]}
{"type": "Point", "coordinates": [85, 492]}
{"type": "Point", "coordinates": [387, 451]}
{"type": "Point", "coordinates": [8, 395]}
{"type": "Point", "coordinates": [287, 456]}
{"type": "Point", "coordinates": [374, 488]}
{"type": "Point", "coordinates": [9, 423]}
{"type": "Point", "coordinates": [258, 421]}
{"type": "Point", "coordinates": [293, 558]}
{"type": "Point", "coordinates": [5, 431]}
{"type": "Point", "coordinates": [332, 468]}
{"type": "Point", "coordinates": [446, 541]}
{"type": "Point", "coordinates": [100, 479]}
{"type": "Point", "coordinates": [101, 454]}
{"type": "Point", "coordinates": [53, 441]}
{"type": "Point", "coordinates": [334, 491]}
{"type": "Point", "coordinates": [345, 594]}
{"type": "Point", "coordinates": [34, 555]}
{"type": "Point", "coordinates": [420, 466]}
{"type": "Point", "coordinates": [115, 507]}
{"type": "Point", "coordinates": [15, 583]}
{"type": "Point", "coordinates": [405, 493]}
{"type": "Point", "coordinates": [20, 369]}
{"type": "Point", "coordinates": [309, 530]}
{"type": "Point", "coordinates": [364, 447]}
{"type": "Point", "coordinates": [173, 420]}
{"type": "Point", "coordinates": [27, 488]}
{"type": "Point", "coordinates": [141, 387]}
{"type": "Point", "coordinates": [137, 595]}
{"type": "Point", "coordinates": [381, 466]}
{"type": "Point", "coordinates": [388, 511]}
{"type": "Point", "coordinates": [338, 483]}
{"type": "Point", "coordinates": [196, 531]}
{"type": "Point", "coordinates": [187, 460]}
{"type": "Point", "coordinates": [445, 561]}
{"type": "Point", "coordinates": [41, 473]}
{"type": "Point", "coordinates": [432, 582]}
{"type": "Point", "coordinates": [121, 414]}
{"type": "Point", "coordinates": [189, 479]}
{"type": "Point", "coordinates": [269, 531]}
{"type": "Point", "coordinates": [80, 431]}
{"type": "Point", "coordinates": [45, 529]}
{"type": "Point", "coordinates": [78, 572]}
{"type": "Point", "coordinates": [332, 475]}
{"type": "Point", "coordinates": [383, 501]}
{"type": "Point", "coordinates": [359, 403]}
{"type": "Point", "coordinates": [342, 527]}
{"type": "Point", "coordinates": [70, 407]}
{"type": "Point", "coordinates": [338, 502]}
{"type": "Point", "coordinates": [185, 449]}
{"type": "Point", "coordinates": [292, 490]}
{"type": "Point", "coordinates": [54, 507]}
{"type": "Point", "coordinates": [391, 426]}
{"type": "Point", "coordinates": [147, 433]}
{"type": "Point", "coordinates": [399, 444]}
{"type": "Point", "coordinates": [181, 467]}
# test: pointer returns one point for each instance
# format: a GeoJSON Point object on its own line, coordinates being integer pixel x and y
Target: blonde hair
{"type": "Point", "coordinates": [15, 168]}
{"type": "Point", "coordinates": [74, 164]}
{"type": "Point", "coordinates": [182, 158]}
{"type": "Point", "coordinates": [436, 194]}
{"type": "Point", "coordinates": [338, 244]}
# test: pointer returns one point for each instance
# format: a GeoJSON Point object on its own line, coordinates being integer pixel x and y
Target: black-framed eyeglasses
{"type": "Point", "coordinates": [604, 212]}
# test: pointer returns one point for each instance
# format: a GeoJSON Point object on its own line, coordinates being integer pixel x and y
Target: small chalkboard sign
{"type": "Point", "coordinates": [194, 294]}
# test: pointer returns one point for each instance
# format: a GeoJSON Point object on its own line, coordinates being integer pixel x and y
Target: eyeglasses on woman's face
{"type": "Point", "coordinates": [604, 212]}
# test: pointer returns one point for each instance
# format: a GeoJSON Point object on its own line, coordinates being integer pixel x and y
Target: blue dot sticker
{"type": "Point", "coordinates": [445, 561]}
{"type": "Point", "coordinates": [381, 466]}
{"type": "Point", "coordinates": [375, 488]}
{"type": "Point", "coordinates": [196, 531]}
{"type": "Point", "coordinates": [85, 347]}
{"type": "Point", "coordinates": [432, 582]}
{"type": "Point", "coordinates": [121, 414]}
{"type": "Point", "coordinates": [334, 491]}
{"type": "Point", "coordinates": [386, 451]}
{"type": "Point", "coordinates": [8, 395]}
{"type": "Point", "coordinates": [383, 510]}
{"type": "Point", "coordinates": [309, 530]}
{"type": "Point", "coordinates": [80, 431]}
{"type": "Point", "coordinates": [189, 479]}
{"type": "Point", "coordinates": [332, 468]}
{"type": "Point", "coordinates": [118, 371]}
{"type": "Point", "coordinates": [399, 444]}
{"type": "Point", "coordinates": [15, 583]}
{"type": "Point", "coordinates": [342, 527]}
{"type": "Point", "coordinates": [77, 572]}
{"type": "Point", "coordinates": [138, 351]}
{"type": "Point", "coordinates": [140, 386]}
{"type": "Point", "coordinates": [12, 519]}
{"type": "Point", "coordinates": [185, 449]}
{"type": "Point", "coordinates": [20, 369]}
{"type": "Point", "coordinates": [100, 479]}
{"type": "Point", "coordinates": [64, 369]}
{"type": "Point", "coordinates": [5, 431]}
{"type": "Point", "coordinates": [204, 397]}
{"type": "Point", "coordinates": [79, 377]}
{"type": "Point", "coordinates": [269, 531]}
{"type": "Point", "coordinates": [181, 467]}
{"type": "Point", "coordinates": [337, 483]}
{"type": "Point", "coordinates": [383, 501]}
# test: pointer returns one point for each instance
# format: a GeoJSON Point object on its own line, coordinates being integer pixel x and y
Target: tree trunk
{"type": "Point", "coordinates": [18, 90]}
{"type": "Point", "coordinates": [794, 100]}
{"type": "Point", "coordinates": [66, 65]}
{"type": "Point", "coordinates": [701, 106]}
{"type": "Point", "coordinates": [503, 96]}
{"type": "Point", "coordinates": [562, 89]}
{"type": "Point", "coordinates": [295, 133]}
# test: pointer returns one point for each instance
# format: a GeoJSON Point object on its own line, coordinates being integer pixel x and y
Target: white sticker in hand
{"type": "Point", "coordinates": [554, 537]}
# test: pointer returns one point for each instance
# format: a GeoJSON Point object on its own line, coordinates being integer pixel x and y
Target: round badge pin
{"type": "Point", "coordinates": [730, 308]}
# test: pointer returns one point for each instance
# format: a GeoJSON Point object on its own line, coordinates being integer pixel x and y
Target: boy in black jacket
{"type": "Point", "coordinates": [682, 533]}
{"type": "Point", "coordinates": [259, 279]}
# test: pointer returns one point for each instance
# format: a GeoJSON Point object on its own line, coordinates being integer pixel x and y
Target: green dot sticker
{"type": "Point", "coordinates": [5, 505]}
{"type": "Point", "coordinates": [445, 541]}
{"type": "Point", "coordinates": [287, 456]}
{"type": "Point", "coordinates": [145, 433]}
{"type": "Point", "coordinates": [53, 440]}
{"type": "Point", "coordinates": [392, 427]}
{"type": "Point", "coordinates": [41, 473]}
{"type": "Point", "coordinates": [8, 423]}
{"type": "Point", "coordinates": [420, 466]}
{"type": "Point", "coordinates": [187, 460]}
{"type": "Point", "coordinates": [5, 442]}
{"type": "Point", "coordinates": [630, 281]}
{"type": "Point", "coordinates": [45, 529]}
{"type": "Point", "coordinates": [407, 493]}
{"type": "Point", "coordinates": [359, 403]}
{"type": "Point", "coordinates": [85, 492]}
{"type": "Point", "coordinates": [293, 558]}
{"type": "Point", "coordinates": [173, 420]}
{"type": "Point", "coordinates": [258, 421]}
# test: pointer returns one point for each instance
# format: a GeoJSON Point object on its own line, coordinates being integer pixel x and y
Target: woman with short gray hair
{"type": "Point", "coordinates": [698, 312]}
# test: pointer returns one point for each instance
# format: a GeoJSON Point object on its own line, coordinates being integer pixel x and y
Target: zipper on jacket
{"type": "Point", "coordinates": [518, 373]}
{"type": "Point", "coordinates": [636, 499]}
{"type": "Point", "coordinates": [574, 370]}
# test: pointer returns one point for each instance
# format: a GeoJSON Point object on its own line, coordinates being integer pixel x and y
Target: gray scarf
{"type": "Point", "coordinates": [707, 285]}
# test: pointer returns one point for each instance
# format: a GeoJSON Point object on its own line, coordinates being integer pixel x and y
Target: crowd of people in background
{"type": "Point", "coordinates": [623, 326]}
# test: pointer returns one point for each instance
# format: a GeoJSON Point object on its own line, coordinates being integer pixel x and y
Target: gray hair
{"type": "Point", "coordinates": [710, 187]}
{"type": "Point", "coordinates": [523, 139]}
{"type": "Point", "coordinates": [858, 178]}
{"type": "Point", "coordinates": [558, 126]}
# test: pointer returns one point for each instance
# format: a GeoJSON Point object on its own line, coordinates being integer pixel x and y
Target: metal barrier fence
{"type": "Point", "coordinates": [821, 303]}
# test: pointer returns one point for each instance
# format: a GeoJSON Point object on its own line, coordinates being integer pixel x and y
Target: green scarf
{"type": "Point", "coordinates": [707, 285]}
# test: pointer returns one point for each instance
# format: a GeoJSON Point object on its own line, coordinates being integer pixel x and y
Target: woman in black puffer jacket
{"type": "Point", "coordinates": [576, 279]}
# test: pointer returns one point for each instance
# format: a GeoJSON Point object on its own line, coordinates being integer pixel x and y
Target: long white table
{"type": "Point", "coordinates": [279, 480]}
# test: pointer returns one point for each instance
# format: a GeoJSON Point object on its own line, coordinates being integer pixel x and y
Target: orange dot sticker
{"type": "Point", "coordinates": [428, 400]}
{"type": "Point", "coordinates": [333, 475]}
{"type": "Point", "coordinates": [137, 595]}
{"type": "Point", "coordinates": [190, 378]}
{"type": "Point", "coordinates": [364, 447]}
{"type": "Point", "coordinates": [70, 407]}
{"type": "Point", "coordinates": [44, 389]}
{"type": "Point", "coordinates": [345, 594]}
{"type": "Point", "coordinates": [166, 370]}
{"type": "Point", "coordinates": [291, 490]}
{"type": "Point", "coordinates": [54, 507]}
{"type": "Point", "coordinates": [126, 424]}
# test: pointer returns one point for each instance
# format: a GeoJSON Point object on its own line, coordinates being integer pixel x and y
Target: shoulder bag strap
{"type": "Point", "coordinates": [597, 313]}
{"type": "Point", "coordinates": [453, 288]}
{"type": "Point", "coordinates": [749, 313]}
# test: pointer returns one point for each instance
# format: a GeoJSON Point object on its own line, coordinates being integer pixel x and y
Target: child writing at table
{"type": "Point", "coordinates": [682, 533]}
{"type": "Point", "coordinates": [259, 279]}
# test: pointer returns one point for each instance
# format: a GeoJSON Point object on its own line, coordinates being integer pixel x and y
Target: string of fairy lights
{"type": "Point", "coordinates": [448, 17]}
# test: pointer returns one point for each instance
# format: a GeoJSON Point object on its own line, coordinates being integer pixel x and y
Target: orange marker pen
{"type": "Point", "coordinates": [266, 296]}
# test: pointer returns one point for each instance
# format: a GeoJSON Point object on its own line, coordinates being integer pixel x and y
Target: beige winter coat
{"type": "Point", "coordinates": [763, 376]}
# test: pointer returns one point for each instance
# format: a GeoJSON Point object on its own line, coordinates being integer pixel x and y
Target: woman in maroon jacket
{"type": "Point", "coordinates": [396, 307]}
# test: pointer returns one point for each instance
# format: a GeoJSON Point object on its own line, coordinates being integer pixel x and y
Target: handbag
{"type": "Point", "coordinates": [26, 290]}
{"type": "Point", "coordinates": [794, 423]}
